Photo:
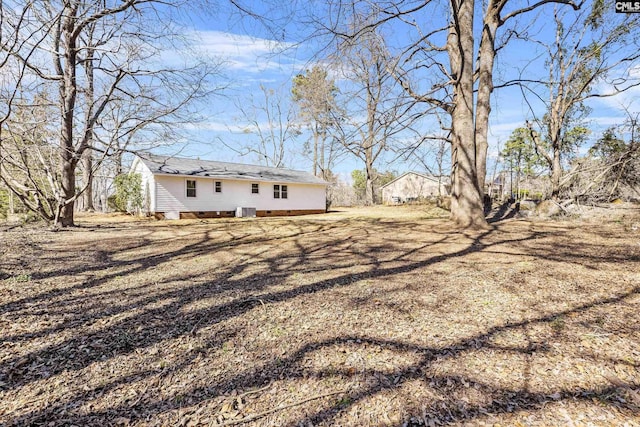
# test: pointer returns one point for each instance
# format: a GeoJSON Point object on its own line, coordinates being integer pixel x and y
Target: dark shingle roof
{"type": "Point", "coordinates": [165, 165]}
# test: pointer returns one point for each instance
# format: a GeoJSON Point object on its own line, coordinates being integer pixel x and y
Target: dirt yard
{"type": "Point", "coordinates": [359, 317]}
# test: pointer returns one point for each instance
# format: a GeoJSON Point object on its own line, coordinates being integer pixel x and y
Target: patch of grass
{"type": "Point", "coordinates": [526, 267]}
{"type": "Point", "coordinates": [227, 347]}
{"type": "Point", "coordinates": [345, 401]}
{"type": "Point", "coordinates": [558, 324]}
{"type": "Point", "coordinates": [22, 278]}
{"type": "Point", "coordinates": [277, 331]}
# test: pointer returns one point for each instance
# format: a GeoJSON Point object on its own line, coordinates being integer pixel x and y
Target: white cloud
{"type": "Point", "coordinates": [235, 126]}
{"type": "Point", "coordinates": [209, 126]}
{"type": "Point", "coordinates": [500, 132]}
{"type": "Point", "coordinates": [505, 128]}
{"type": "Point", "coordinates": [244, 53]}
{"type": "Point", "coordinates": [628, 99]}
{"type": "Point", "coordinates": [606, 121]}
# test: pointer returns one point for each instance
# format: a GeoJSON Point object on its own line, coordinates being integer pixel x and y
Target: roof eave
{"type": "Point", "coordinates": [228, 178]}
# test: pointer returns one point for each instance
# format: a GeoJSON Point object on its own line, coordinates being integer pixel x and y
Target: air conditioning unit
{"type": "Point", "coordinates": [172, 215]}
{"type": "Point", "coordinates": [245, 212]}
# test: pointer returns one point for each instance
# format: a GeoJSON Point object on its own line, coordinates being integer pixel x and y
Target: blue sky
{"type": "Point", "coordinates": [250, 59]}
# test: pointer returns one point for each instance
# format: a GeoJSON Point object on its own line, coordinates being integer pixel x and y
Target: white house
{"type": "Point", "coordinates": [413, 186]}
{"type": "Point", "coordinates": [176, 187]}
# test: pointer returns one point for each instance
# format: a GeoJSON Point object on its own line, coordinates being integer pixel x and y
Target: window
{"type": "Point", "coordinates": [255, 188]}
{"type": "Point", "coordinates": [279, 191]}
{"type": "Point", "coordinates": [191, 188]}
{"type": "Point", "coordinates": [218, 187]}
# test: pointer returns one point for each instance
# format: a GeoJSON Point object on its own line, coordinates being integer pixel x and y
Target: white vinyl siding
{"type": "Point", "coordinates": [171, 196]}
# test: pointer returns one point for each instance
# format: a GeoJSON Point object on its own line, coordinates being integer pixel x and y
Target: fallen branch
{"type": "Point", "coordinates": [279, 408]}
{"type": "Point", "coordinates": [247, 393]}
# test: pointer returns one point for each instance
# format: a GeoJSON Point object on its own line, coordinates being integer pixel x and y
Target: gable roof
{"type": "Point", "coordinates": [443, 180]}
{"type": "Point", "coordinates": [169, 165]}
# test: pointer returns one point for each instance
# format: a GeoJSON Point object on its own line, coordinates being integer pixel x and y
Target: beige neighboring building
{"type": "Point", "coordinates": [414, 186]}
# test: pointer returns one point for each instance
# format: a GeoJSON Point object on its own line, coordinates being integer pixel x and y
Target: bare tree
{"type": "Point", "coordinates": [593, 55]}
{"type": "Point", "coordinates": [270, 121]}
{"type": "Point", "coordinates": [376, 108]}
{"type": "Point", "coordinates": [45, 48]}
{"type": "Point", "coordinates": [448, 66]}
{"type": "Point", "coordinates": [87, 156]}
{"type": "Point", "coordinates": [27, 160]}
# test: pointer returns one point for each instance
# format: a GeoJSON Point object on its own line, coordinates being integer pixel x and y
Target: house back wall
{"type": "Point", "coordinates": [171, 196]}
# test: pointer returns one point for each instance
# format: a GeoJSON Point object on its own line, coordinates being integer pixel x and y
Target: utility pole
{"type": "Point", "coordinates": [511, 179]}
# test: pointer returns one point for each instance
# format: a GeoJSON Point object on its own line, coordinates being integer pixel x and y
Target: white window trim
{"type": "Point", "coordinates": [186, 188]}
{"type": "Point", "coordinates": [257, 184]}
{"type": "Point", "coordinates": [280, 191]}
{"type": "Point", "coordinates": [214, 187]}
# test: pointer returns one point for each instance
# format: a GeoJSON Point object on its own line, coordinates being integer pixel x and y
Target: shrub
{"type": "Point", "coordinates": [128, 197]}
{"type": "Point", "coordinates": [4, 203]}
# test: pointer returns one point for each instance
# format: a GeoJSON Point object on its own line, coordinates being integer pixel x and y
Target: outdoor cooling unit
{"type": "Point", "coordinates": [245, 212]}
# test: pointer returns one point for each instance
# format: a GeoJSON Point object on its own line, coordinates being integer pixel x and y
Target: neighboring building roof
{"type": "Point", "coordinates": [169, 165]}
{"type": "Point", "coordinates": [443, 179]}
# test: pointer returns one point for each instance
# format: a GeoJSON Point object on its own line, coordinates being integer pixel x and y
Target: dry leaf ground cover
{"type": "Point", "coordinates": [373, 317]}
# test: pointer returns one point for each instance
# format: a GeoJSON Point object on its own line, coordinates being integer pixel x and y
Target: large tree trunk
{"type": "Point", "coordinates": [87, 156]}
{"type": "Point", "coordinates": [68, 94]}
{"type": "Point", "coordinates": [485, 88]}
{"type": "Point", "coordinates": [466, 201]}
{"type": "Point", "coordinates": [87, 180]}
{"type": "Point", "coordinates": [369, 198]}
{"type": "Point", "coordinates": [68, 181]}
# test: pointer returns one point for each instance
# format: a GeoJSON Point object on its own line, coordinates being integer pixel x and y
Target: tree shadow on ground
{"type": "Point", "coordinates": [503, 212]}
{"type": "Point", "coordinates": [157, 315]}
